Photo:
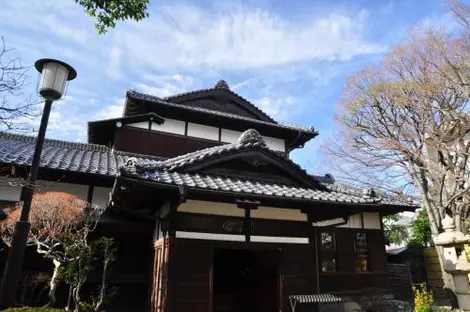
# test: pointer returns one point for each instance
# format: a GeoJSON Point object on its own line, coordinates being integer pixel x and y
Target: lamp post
{"type": "Point", "coordinates": [53, 79]}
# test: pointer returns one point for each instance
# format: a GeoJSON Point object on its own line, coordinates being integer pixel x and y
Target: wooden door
{"type": "Point", "coordinates": [265, 281]}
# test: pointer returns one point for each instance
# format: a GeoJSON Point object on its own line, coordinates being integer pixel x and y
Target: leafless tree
{"type": "Point", "coordinates": [13, 79]}
{"type": "Point", "coordinates": [406, 123]}
{"type": "Point", "coordinates": [461, 11]}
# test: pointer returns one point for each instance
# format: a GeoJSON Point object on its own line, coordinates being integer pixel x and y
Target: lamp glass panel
{"type": "Point", "coordinates": [54, 77]}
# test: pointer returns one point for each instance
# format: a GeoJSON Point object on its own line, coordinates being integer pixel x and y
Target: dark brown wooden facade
{"type": "Point", "coordinates": [151, 142]}
{"type": "Point", "coordinates": [189, 274]}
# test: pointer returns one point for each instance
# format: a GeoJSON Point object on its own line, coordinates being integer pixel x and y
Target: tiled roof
{"type": "Point", "coordinates": [250, 139]}
{"type": "Point", "coordinates": [151, 98]}
{"type": "Point", "coordinates": [222, 85]}
{"type": "Point", "coordinates": [386, 198]}
{"type": "Point", "coordinates": [245, 186]}
{"type": "Point", "coordinates": [98, 159]}
{"type": "Point", "coordinates": [171, 171]}
{"type": "Point", "coordinates": [62, 155]}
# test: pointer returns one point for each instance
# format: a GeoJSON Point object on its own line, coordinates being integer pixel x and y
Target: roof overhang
{"type": "Point", "coordinates": [102, 131]}
{"type": "Point", "coordinates": [294, 136]}
{"type": "Point", "coordinates": [140, 193]}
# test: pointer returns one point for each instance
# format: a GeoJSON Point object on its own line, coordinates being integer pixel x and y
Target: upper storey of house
{"type": "Point", "coordinates": [191, 121]}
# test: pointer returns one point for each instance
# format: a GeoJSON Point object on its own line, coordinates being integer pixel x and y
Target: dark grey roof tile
{"type": "Point", "coordinates": [79, 157]}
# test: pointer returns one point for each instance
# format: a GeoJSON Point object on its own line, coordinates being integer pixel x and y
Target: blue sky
{"type": "Point", "coordinates": [291, 58]}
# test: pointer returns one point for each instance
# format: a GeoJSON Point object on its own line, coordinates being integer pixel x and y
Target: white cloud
{"type": "Point", "coordinates": [183, 36]}
{"type": "Point", "coordinates": [166, 85]}
{"type": "Point", "coordinates": [114, 64]}
{"type": "Point", "coordinates": [180, 48]}
{"type": "Point", "coordinates": [47, 15]}
{"type": "Point", "coordinates": [110, 111]}
{"type": "Point", "coordinates": [277, 108]}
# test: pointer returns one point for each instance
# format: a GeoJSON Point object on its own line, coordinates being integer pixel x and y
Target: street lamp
{"type": "Point", "coordinates": [52, 83]}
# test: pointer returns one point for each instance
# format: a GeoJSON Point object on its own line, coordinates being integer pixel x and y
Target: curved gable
{"type": "Point", "coordinates": [221, 98]}
{"type": "Point", "coordinates": [249, 156]}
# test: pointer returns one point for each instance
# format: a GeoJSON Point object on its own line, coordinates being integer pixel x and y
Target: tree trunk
{"type": "Point", "coordinates": [69, 299]}
{"type": "Point", "coordinates": [53, 283]}
{"type": "Point", "coordinates": [103, 287]}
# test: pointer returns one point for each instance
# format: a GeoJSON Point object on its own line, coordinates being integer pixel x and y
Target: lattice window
{"type": "Point", "coordinates": [327, 252]}
{"type": "Point", "coordinates": [362, 252]}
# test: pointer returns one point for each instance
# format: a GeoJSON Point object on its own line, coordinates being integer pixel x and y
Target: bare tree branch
{"type": "Point", "coordinates": [15, 111]}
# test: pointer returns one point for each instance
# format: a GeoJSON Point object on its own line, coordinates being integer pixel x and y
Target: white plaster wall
{"type": "Point", "coordinates": [222, 209]}
{"type": "Point", "coordinates": [355, 222]}
{"type": "Point", "coordinates": [230, 136]}
{"type": "Point", "coordinates": [141, 125]}
{"type": "Point", "coordinates": [101, 196]}
{"type": "Point", "coordinates": [210, 236]}
{"type": "Point", "coordinates": [170, 126]}
{"type": "Point", "coordinates": [10, 189]}
{"type": "Point", "coordinates": [278, 214]}
{"type": "Point", "coordinates": [203, 131]}
{"type": "Point", "coordinates": [371, 220]}
{"type": "Point", "coordinates": [81, 191]}
{"type": "Point", "coordinates": [275, 143]}
{"type": "Point", "coordinates": [328, 222]}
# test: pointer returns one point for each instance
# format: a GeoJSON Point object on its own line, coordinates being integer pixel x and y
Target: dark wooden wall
{"type": "Point", "coordinates": [191, 264]}
{"type": "Point", "coordinates": [376, 277]}
{"type": "Point", "coordinates": [156, 143]}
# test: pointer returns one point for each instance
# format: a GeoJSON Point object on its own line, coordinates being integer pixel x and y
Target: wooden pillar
{"type": "Point", "coordinates": [313, 242]}
{"type": "Point", "coordinates": [247, 206]}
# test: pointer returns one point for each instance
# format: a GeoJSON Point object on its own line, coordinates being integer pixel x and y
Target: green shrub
{"type": "Point", "coordinates": [33, 309]}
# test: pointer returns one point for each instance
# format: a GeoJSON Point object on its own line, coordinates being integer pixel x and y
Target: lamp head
{"type": "Point", "coordinates": [54, 77]}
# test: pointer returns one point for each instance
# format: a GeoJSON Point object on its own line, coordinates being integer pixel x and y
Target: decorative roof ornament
{"type": "Point", "coordinates": [369, 192]}
{"type": "Point", "coordinates": [131, 165]}
{"type": "Point", "coordinates": [221, 84]}
{"type": "Point", "coordinates": [251, 136]}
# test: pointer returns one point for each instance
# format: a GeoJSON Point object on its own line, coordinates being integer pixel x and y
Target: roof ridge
{"type": "Point", "coordinates": [149, 97]}
{"type": "Point", "coordinates": [56, 142]}
{"type": "Point", "coordinates": [215, 87]}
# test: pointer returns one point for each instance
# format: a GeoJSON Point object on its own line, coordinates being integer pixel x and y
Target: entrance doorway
{"type": "Point", "coordinates": [246, 281]}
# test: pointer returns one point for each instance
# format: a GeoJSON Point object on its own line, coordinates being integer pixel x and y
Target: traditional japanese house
{"type": "Point", "coordinates": [209, 211]}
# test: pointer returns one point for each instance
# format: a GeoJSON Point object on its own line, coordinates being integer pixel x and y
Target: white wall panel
{"type": "Point", "coordinates": [278, 214]}
{"type": "Point", "coordinates": [210, 236]}
{"type": "Point", "coordinates": [203, 131]}
{"type": "Point", "coordinates": [230, 136]}
{"type": "Point", "coordinates": [355, 222]}
{"type": "Point", "coordinates": [141, 125]}
{"type": "Point", "coordinates": [101, 196]}
{"type": "Point", "coordinates": [371, 220]}
{"type": "Point", "coordinates": [330, 222]}
{"type": "Point", "coordinates": [222, 209]}
{"type": "Point", "coordinates": [279, 239]}
{"type": "Point", "coordinates": [10, 189]}
{"type": "Point", "coordinates": [170, 126]}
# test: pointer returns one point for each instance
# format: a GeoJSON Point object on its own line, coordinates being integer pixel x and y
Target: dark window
{"type": "Point", "coordinates": [327, 252]}
{"type": "Point", "coordinates": [362, 252]}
